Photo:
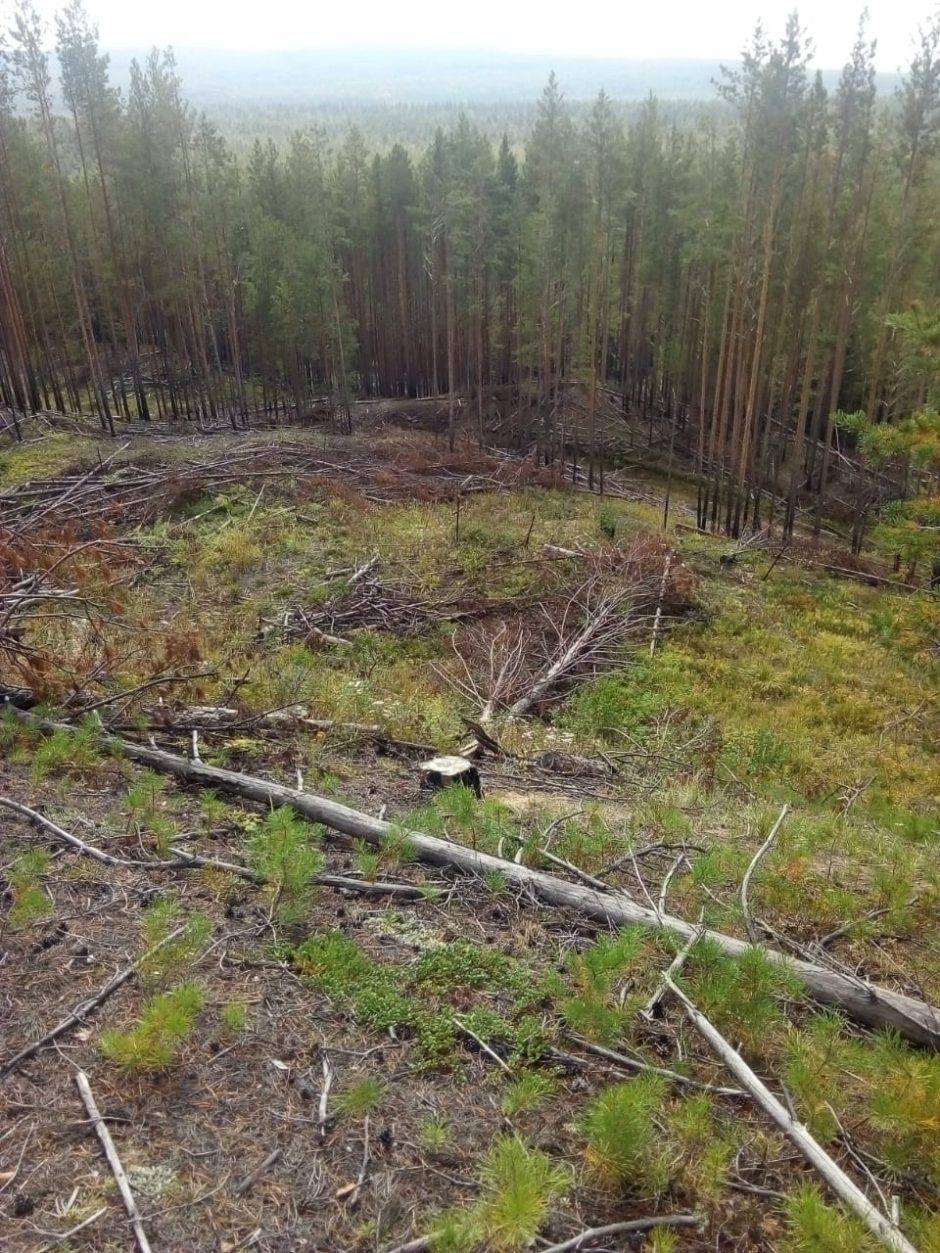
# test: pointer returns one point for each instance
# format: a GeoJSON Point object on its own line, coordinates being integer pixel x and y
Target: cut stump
{"type": "Point", "coordinates": [441, 772]}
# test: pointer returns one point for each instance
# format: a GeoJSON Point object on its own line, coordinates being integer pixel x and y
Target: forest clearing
{"type": "Point", "coordinates": [469, 654]}
{"type": "Point", "coordinates": [431, 1019]}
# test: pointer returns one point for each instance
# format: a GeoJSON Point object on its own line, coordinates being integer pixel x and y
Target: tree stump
{"type": "Point", "coordinates": [441, 772]}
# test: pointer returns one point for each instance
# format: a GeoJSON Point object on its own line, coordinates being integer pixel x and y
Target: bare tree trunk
{"type": "Point", "coordinates": [868, 1003]}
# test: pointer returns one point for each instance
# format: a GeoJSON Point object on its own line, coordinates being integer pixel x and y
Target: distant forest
{"type": "Point", "coordinates": [764, 272]}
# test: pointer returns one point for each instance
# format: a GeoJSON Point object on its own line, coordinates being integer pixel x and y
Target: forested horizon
{"type": "Point", "coordinates": [764, 280]}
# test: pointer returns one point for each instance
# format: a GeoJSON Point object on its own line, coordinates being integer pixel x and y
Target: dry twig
{"type": "Point", "coordinates": [621, 1229]}
{"type": "Point", "coordinates": [114, 1161]}
{"type": "Point", "coordinates": [90, 1003]}
{"type": "Point", "coordinates": [755, 862]}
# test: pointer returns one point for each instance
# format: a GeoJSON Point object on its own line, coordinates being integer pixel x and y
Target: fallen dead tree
{"type": "Point", "coordinates": [134, 493]}
{"type": "Point", "coordinates": [867, 1003]}
{"type": "Point", "coordinates": [527, 661]}
{"type": "Point", "coordinates": [841, 1184]}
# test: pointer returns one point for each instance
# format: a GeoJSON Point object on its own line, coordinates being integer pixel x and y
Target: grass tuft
{"type": "Point", "coordinates": [362, 1097]}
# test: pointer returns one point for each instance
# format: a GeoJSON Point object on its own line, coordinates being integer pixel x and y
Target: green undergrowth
{"type": "Point", "coordinates": [454, 986]}
{"type": "Point", "coordinates": [44, 458]}
{"type": "Point", "coordinates": [153, 1043]}
{"type": "Point", "coordinates": [827, 866]}
{"type": "Point", "coordinates": [805, 689]}
{"type": "Point", "coordinates": [796, 688]}
{"type": "Point", "coordinates": [29, 902]}
{"type": "Point", "coordinates": [168, 1018]}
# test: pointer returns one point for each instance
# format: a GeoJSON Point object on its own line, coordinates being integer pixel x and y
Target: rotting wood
{"type": "Point", "coordinates": [114, 1160]}
{"type": "Point", "coordinates": [446, 771]}
{"type": "Point", "coordinates": [871, 1004]}
{"type": "Point", "coordinates": [841, 1184]}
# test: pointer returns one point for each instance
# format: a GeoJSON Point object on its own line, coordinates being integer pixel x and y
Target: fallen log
{"type": "Point", "coordinates": [845, 1188]}
{"type": "Point", "coordinates": [868, 1003]}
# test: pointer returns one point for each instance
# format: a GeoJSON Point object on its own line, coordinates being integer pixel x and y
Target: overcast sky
{"type": "Point", "coordinates": [611, 28]}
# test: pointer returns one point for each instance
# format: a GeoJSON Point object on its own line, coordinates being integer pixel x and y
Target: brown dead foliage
{"type": "Point", "coordinates": [421, 458]}
{"type": "Point", "coordinates": [832, 553]}
{"type": "Point", "coordinates": [55, 591]}
{"type": "Point", "coordinates": [652, 556]}
{"type": "Point", "coordinates": [331, 488]}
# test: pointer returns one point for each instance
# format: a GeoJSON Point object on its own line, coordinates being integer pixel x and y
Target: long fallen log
{"type": "Point", "coordinates": [845, 1188]}
{"type": "Point", "coordinates": [868, 1003]}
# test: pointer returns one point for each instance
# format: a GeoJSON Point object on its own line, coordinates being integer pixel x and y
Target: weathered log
{"type": "Point", "coordinates": [867, 1003]}
{"type": "Point", "coordinates": [845, 1188]}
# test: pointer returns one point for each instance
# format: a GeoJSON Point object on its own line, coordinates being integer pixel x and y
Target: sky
{"type": "Point", "coordinates": [603, 28]}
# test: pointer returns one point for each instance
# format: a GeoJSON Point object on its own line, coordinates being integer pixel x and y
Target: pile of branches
{"type": "Point", "coordinates": [524, 663]}
{"type": "Point", "coordinates": [369, 606]}
{"type": "Point", "coordinates": [139, 493]}
{"type": "Point", "coordinates": [366, 602]}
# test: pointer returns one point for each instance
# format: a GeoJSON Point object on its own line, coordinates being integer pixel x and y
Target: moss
{"type": "Point", "coordinates": [45, 458]}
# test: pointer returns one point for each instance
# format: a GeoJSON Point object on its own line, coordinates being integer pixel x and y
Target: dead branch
{"type": "Point", "coordinates": [649, 1010]}
{"type": "Point", "coordinates": [323, 1106]}
{"type": "Point", "coordinates": [160, 680]}
{"type": "Point", "coordinates": [869, 1003]}
{"type": "Point", "coordinates": [253, 1176]}
{"type": "Point", "coordinates": [114, 1161]}
{"type": "Point", "coordinates": [673, 870]}
{"type": "Point", "coordinates": [519, 666]}
{"type": "Point", "coordinates": [755, 862]}
{"type": "Point", "coordinates": [481, 1044]}
{"type": "Point", "coordinates": [578, 873]}
{"type": "Point", "coordinates": [622, 1229]}
{"type": "Point", "coordinates": [840, 1183]}
{"type": "Point", "coordinates": [632, 1063]}
{"type": "Point", "coordinates": [418, 1245]}
{"type": "Point", "coordinates": [63, 1236]}
{"type": "Point", "coordinates": [846, 927]}
{"type": "Point", "coordinates": [657, 620]}
{"type": "Point", "coordinates": [185, 860]}
{"type": "Point", "coordinates": [608, 617]}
